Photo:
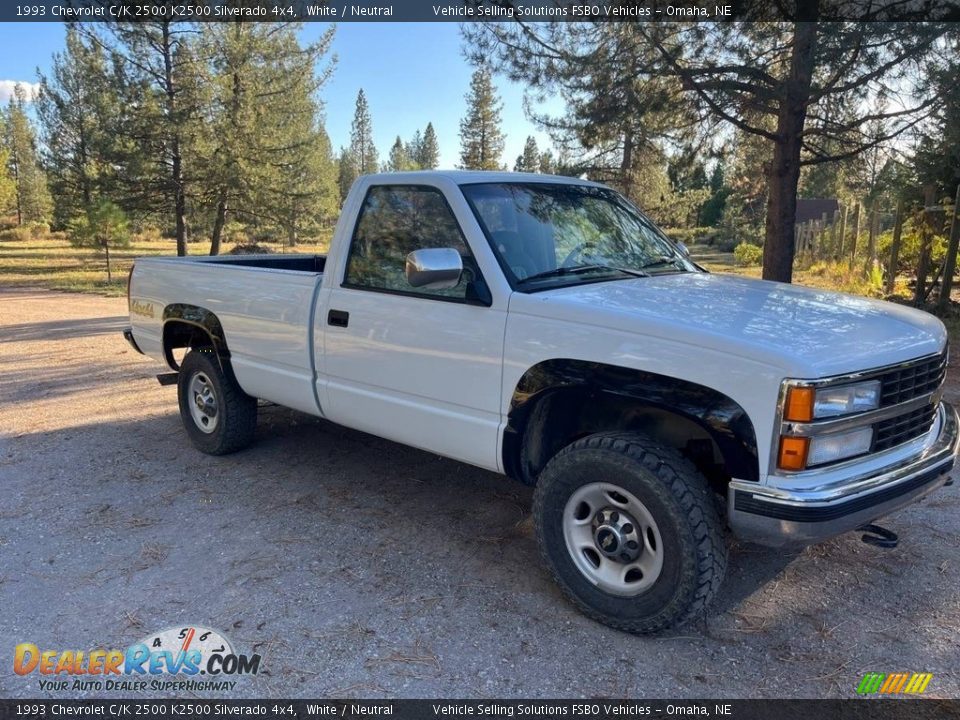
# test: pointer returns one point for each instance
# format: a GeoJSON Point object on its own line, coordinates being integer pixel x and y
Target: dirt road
{"type": "Point", "coordinates": [358, 567]}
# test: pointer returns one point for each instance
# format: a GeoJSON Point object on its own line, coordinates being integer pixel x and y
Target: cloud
{"type": "Point", "coordinates": [7, 86]}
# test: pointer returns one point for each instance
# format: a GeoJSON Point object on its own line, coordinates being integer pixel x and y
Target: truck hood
{"type": "Point", "coordinates": [807, 332]}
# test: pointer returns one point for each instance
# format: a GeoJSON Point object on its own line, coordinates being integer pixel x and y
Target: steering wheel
{"type": "Point", "coordinates": [577, 253]}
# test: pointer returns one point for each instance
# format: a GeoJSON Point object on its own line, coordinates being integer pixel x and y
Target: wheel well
{"type": "Point", "coordinates": [179, 334]}
{"type": "Point", "coordinates": [188, 326]}
{"type": "Point", "coordinates": [563, 417]}
{"type": "Point", "coordinates": [556, 402]}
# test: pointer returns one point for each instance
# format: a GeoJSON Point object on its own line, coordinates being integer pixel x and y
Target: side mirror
{"type": "Point", "coordinates": [684, 250]}
{"type": "Point", "coordinates": [434, 268]}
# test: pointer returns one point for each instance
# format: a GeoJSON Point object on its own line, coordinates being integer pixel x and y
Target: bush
{"type": "Point", "coordinates": [838, 275]}
{"type": "Point", "coordinates": [21, 233]}
{"type": "Point", "coordinates": [38, 229]}
{"type": "Point", "coordinates": [911, 240]}
{"type": "Point", "coordinates": [148, 233]}
{"type": "Point", "coordinates": [235, 233]}
{"type": "Point", "coordinates": [250, 249]}
{"type": "Point", "coordinates": [748, 254]}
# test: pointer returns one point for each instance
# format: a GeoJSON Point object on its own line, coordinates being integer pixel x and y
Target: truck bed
{"type": "Point", "coordinates": [265, 304]}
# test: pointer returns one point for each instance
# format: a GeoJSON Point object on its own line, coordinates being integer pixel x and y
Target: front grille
{"type": "Point", "coordinates": [903, 428]}
{"type": "Point", "coordinates": [911, 381]}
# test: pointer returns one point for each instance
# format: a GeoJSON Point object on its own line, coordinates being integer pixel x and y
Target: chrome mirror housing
{"type": "Point", "coordinates": [434, 268]}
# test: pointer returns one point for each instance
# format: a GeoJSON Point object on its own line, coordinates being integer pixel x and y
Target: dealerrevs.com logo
{"type": "Point", "coordinates": [171, 660]}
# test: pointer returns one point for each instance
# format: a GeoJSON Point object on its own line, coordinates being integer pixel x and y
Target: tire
{"type": "Point", "coordinates": [224, 418]}
{"type": "Point", "coordinates": [625, 492]}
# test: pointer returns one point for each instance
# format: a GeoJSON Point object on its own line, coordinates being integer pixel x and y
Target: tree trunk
{"type": "Point", "coordinates": [626, 166]}
{"type": "Point", "coordinates": [218, 224]}
{"type": "Point", "coordinates": [856, 234]}
{"type": "Point", "coordinates": [19, 193]}
{"type": "Point", "coordinates": [950, 262]}
{"type": "Point", "coordinates": [176, 177]}
{"type": "Point", "coordinates": [926, 233]}
{"type": "Point", "coordinates": [179, 200]}
{"type": "Point", "coordinates": [784, 175]}
{"type": "Point", "coordinates": [873, 229]}
{"type": "Point", "coordinates": [106, 247]}
{"type": "Point", "coordinates": [895, 249]}
{"type": "Point", "coordinates": [843, 234]}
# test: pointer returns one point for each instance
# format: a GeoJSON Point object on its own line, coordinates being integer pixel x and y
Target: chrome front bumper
{"type": "Point", "coordinates": [804, 514]}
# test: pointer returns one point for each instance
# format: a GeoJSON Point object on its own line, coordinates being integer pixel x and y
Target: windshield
{"type": "Point", "coordinates": [549, 234]}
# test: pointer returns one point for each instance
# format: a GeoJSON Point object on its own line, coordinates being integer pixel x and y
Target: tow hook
{"type": "Point", "coordinates": [878, 536]}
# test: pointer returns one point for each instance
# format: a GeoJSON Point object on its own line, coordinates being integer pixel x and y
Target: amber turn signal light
{"type": "Point", "coordinates": [793, 453]}
{"type": "Point", "coordinates": [799, 404]}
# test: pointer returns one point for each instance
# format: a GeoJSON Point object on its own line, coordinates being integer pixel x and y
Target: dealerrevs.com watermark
{"type": "Point", "coordinates": [186, 658]}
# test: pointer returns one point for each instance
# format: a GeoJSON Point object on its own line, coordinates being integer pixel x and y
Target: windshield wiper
{"type": "Point", "coordinates": [663, 260]}
{"type": "Point", "coordinates": [578, 269]}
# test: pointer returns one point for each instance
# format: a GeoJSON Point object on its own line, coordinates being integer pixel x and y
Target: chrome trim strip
{"type": "Point", "coordinates": [850, 422]}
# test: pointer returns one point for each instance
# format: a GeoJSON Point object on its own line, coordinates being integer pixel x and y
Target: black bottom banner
{"type": "Point", "coordinates": [899, 709]}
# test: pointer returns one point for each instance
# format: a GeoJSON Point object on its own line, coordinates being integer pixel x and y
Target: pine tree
{"type": "Point", "coordinates": [399, 161]}
{"type": "Point", "coordinates": [429, 157]}
{"type": "Point", "coordinates": [548, 165]}
{"type": "Point", "coordinates": [481, 140]}
{"type": "Point", "coordinates": [268, 162]}
{"type": "Point", "coordinates": [101, 226]}
{"type": "Point", "coordinates": [362, 149]}
{"type": "Point", "coordinates": [32, 199]}
{"type": "Point", "coordinates": [310, 194]}
{"type": "Point", "coordinates": [346, 173]}
{"type": "Point", "coordinates": [414, 150]}
{"type": "Point", "coordinates": [712, 210]}
{"type": "Point", "coordinates": [77, 106]}
{"type": "Point", "coordinates": [530, 160]}
{"type": "Point", "coordinates": [162, 95]}
{"type": "Point", "coordinates": [8, 188]}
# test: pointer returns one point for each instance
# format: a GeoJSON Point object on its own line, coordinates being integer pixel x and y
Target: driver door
{"type": "Point", "coordinates": [415, 365]}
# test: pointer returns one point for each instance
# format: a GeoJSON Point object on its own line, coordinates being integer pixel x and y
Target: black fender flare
{"type": "Point", "coordinates": [202, 319]}
{"type": "Point", "coordinates": [723, 419]}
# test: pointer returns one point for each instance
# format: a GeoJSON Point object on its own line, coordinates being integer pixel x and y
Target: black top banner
{"type": "Point", "coordinates": [479, 10]}
{"type": "Point", "coordinates": [591, 709]}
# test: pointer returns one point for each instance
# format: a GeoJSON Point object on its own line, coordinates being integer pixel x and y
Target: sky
{"type": "Point", "coordinates": [412, 74]}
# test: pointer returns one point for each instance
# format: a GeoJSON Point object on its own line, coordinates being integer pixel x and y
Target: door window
{"type": "Point", "coordinates": [394, 221]}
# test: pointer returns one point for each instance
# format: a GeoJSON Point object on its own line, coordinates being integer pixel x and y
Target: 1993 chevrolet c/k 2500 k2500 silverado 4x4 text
{"type": "Point", "coordinates": [542, 327]}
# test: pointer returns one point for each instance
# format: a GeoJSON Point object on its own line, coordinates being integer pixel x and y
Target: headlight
{"type": "Point", "coordinates": [805, 403]}
{"type": "Point", "coordinates": [839, 446]}
{"type": "Point", "coordinates": [800, 453]}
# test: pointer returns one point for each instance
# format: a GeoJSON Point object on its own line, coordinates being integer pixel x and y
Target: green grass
{"type": "Point", "coordinates": [52, 262]}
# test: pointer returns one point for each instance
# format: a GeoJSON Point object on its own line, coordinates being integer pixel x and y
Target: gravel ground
{"type": "Point", "coordinates": [362, 568]}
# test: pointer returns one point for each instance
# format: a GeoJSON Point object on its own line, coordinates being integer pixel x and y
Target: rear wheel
{"type": "Point", "coordinates": [218, 416]}
{"type": "Point", "coordinates": [630, 531]}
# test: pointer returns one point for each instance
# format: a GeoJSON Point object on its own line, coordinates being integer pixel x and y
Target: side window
{"type": "Point", "coordinates": [394, 221]}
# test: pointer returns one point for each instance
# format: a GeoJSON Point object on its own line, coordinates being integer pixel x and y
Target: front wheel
{"type": "Point", "coordinates": [218, 416]}
{"type": "Point", "coordinates": [630, 531]}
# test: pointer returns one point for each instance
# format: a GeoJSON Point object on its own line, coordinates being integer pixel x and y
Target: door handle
{"type": "Point", "coordinates": [338, 318]}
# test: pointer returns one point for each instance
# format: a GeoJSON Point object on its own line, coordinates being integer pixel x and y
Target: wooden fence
{"type": "Point", "coordinates": [851, 234]}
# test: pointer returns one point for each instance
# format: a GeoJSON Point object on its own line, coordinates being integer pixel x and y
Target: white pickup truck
{"type": "Point", "coordinates": [543, 328]}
